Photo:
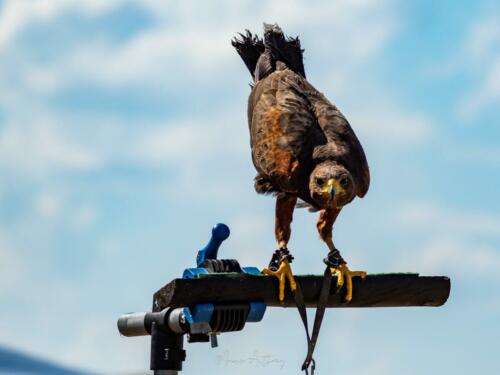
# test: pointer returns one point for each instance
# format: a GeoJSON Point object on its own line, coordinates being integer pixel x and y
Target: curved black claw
{"type": "Point", "coordinates": [279, 256]}
{"type": "Point", "coordinates": [334, 259]}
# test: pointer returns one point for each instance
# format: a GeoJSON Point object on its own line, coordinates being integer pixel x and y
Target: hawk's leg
{"type": "Point", "coordinates": [334, 260]}
{"type": "Point", "coordinates": [280, 262]}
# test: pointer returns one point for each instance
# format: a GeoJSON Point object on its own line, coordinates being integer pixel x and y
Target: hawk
{"type": "Point", "coordinates": [303, 148]}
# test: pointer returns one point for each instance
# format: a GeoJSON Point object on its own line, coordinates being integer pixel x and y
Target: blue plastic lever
{"type": "Point", "coordinates": [220, 232]}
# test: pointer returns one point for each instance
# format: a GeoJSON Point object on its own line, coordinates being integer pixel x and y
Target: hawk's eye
{"type": "Point", "coordinates": [344, 182]}
{"type": "Point", "coordinates": [320, 181]}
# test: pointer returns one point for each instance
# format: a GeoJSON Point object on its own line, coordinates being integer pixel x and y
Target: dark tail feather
{"type": "Point", "coordinates": [283, 48]}
{"type": "Point", "coordinates": [249, 47]}
{"type": "Point", "coordinates": [260, 57]}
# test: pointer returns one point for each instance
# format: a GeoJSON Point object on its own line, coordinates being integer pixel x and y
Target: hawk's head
{"type": "Point", "coordinates": [331, 185]}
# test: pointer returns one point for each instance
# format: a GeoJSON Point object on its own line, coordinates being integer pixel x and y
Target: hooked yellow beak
{"type": "Point", "coordinates": [330, 189]}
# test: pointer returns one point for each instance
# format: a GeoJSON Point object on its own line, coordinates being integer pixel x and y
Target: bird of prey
{"type": "Point", "coordinates": [302, 148]}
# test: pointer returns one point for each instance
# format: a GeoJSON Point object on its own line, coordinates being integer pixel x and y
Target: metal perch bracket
{"type": "Point", "coordinates": [201, 322]}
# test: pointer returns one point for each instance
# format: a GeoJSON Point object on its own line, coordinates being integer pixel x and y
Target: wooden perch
{"type": "Point", "coordinates": [382, 290]}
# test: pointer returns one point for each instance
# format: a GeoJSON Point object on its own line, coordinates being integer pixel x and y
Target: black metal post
{"type": "Point", "coordinates": [167, 353]}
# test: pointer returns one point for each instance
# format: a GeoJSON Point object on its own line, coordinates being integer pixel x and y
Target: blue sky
{"type": "Point", "coordinates": [123, 139]}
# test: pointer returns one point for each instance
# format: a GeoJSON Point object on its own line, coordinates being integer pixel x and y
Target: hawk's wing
{"type": "Point", "coordinates": [284, 131]}
{"type": "Point", "coordinates": [342, 144]}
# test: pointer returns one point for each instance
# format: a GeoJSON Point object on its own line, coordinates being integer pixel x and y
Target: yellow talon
{"type": "Point", "coordinates": [284, 272]}
{"type": "Point", "coordinates": [344, 274]}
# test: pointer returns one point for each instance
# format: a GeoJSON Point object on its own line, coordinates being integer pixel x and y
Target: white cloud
{"type": "Point", "coordinates": [197, 45]}
{"type": "Point", "coordinates": [56, 205]}
{"type": "Point", "coordinates": [37, 147]}
{"type": "Point", "coordinates": [451, 242]}
{"type": "Point", "coordinates": [477, 47]}
{"type": "Point", "coordinates": [15, 15]}
{"type": "Point", "coordinates": [41, 147]}
{"type": "Point", "coordinates": [455, 257]}
{"type": "Point", "coordinates": [476, 57]}
{"type": "Point", "coordinates": [159, 56]}
{"type": "Point", "coordinates": [384, 124]}
{"type": "Point", "coordinates": [84, 216]}
{"type": "Point", "coordinates": [47, 205]}
{"type": "Point", "coordinates": [11, 266]}
{"type": "Point", "coordinates": [485, 95]}
{"type": "Point", "coordinates": [481, 51]}
{"type": "Point", "coordinates": [467, 153]}
{"type": "Point", "coordinates": [118, 355]}
{"type": "Point", "coordinates": [436, 219]}
{"type": "Point", "coordinates": [187, 142]}
{"type": "Point", "coordinates": [483, 38]}
{"type": "Point", "coordinates": [250, 235]}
